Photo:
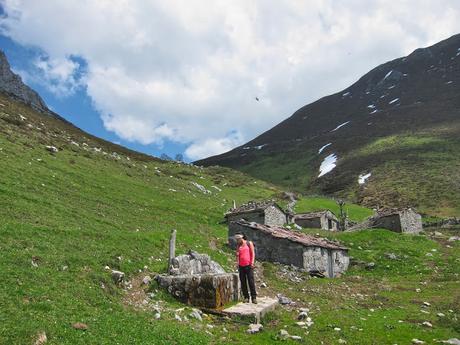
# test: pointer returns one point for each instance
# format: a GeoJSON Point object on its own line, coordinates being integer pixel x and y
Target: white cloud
{"type": "Point", "coordinates": [58, 75]}
{"type": "Point", "coordinates": [213, 146]}
{"type": "Point", "coordinates": [189, 71]}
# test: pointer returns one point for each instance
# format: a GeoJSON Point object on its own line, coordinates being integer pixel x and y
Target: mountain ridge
{"type": "Point", "coordinates": [412, 96]}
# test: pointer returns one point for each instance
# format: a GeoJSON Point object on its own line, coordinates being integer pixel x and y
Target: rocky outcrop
{"type": "Point", "coordinates": [13, 85]}
{"type": "Point", "coordinates": [194, 263]}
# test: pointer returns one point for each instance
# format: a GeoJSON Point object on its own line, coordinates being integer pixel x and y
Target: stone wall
{"type": "Point", "coordinates": [328, 261]}
{"type": "Point", "coordinates": [268, 248]}
{"type": "Point", "coordinates": [316, 259]}
{"type": "Point", "coordinates": [405, 221]}
{"type": "Point", "coordinates": [340, 262]}
{"type": "Point", "coordinates": [321, 221]}
{"type": "Point", "coordinates": [197, 280]}
{"type": "Point", "coordinates": [391, 222]}
{"type": "Point", "coordinates": [274, 216]}
{"type": "Point", "coordinates": [411, 222]}
{"type": "Point", "coordinates": [314, 223]}
{"type": "Point", "coordinates": [202, 290]}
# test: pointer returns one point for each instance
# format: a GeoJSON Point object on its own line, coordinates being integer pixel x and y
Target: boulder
{"type": "Point", "coordinates": [254, 328]}
{"type": "Point", "coordinates": [118, 276]}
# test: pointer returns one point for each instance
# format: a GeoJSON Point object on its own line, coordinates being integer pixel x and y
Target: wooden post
{"type": "Point", "coordinates": [172, 248]}
{"type": "Point", "coordinates": [234, 204]}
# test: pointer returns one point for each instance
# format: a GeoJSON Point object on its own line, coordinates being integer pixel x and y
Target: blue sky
{"type": "Point", "coordinates": [182, 76]}
{"type": "Point", "coordinates": [77, 107]}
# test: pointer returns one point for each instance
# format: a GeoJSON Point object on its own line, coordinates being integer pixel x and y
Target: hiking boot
{"type": "Point", "coordinates": [246, 300]}
{"type": "Point", "coordinates": [254, 300]}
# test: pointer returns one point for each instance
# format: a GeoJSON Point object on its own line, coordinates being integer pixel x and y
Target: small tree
{"type": "Point", "coordinates": [343, 215]}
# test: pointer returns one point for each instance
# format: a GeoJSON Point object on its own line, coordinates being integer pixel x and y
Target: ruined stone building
{"type": "Point", "coordinates": [277, 244]}
{"type": "Point", "coordinates": [402, 220]}
{"type": "Point", "coordinates": [267, 212]}
{"type": "Point", "coordinates": [397, 220]}
{"type": "Point", "coordinates": [325, 220]}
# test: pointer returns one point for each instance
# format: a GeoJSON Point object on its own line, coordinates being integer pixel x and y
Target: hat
{"type": "Point", "coordinates": [238, 237]}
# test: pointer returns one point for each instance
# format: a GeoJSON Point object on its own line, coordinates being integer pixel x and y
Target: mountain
{"type": "Point", "coordinates": [12, 84]}
{"type": "Point", "coordinates": [397, 127]}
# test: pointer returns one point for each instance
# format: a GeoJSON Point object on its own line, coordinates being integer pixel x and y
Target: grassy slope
{"type": "Point", "coordinates": [355, 212]}
{"type": "Point", "coordinates": [421, 169]}
{"type": "Point", "coordinates": [83, 209]}
{"type": "Point", "coordinates": [417, 169]}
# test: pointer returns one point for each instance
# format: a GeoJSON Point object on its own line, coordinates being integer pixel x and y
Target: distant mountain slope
{"type": "Point", "coordinates": [400, 123]}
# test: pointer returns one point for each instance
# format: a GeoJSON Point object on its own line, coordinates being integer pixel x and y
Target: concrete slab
{"type": "Point", "coordinates": [252, 311]}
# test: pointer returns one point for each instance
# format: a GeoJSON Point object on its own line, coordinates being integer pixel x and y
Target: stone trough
{"type": "Point", "coordinates": [197, 280]}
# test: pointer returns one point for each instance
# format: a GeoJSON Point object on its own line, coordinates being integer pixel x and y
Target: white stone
{"type": "Point", "coordinates": [196, 314]}
{"type": "Point", "coordinates": [254, 328]}
{"type": "Point", "coordinates": [52, 149]}
{"type": "Point", "coordinates": [146, 280]}
{"type": "Point", "coordinates": [283, 333]}
{"type": "Point", "coordinates": [452, 341]}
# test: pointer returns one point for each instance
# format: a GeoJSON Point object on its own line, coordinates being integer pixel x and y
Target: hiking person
{"type": "Point", "coordinates": [245, 257]}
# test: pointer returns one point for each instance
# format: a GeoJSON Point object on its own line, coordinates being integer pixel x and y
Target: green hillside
{"type": "Point", "coordinates": [64, 216]}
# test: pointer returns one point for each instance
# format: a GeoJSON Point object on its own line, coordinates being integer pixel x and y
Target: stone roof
{"type": "Point", "coordinates": [294, 236]}
{"type": "Point", "coordinates": [311, 215]}
{"type": "Point", "coordinates": [252, 206]}
{"type": "Point", "coordinates": [392, 212]}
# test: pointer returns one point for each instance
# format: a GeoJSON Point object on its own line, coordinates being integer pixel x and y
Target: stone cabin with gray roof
{"type": "Point", "coordinates": [267, 212]}
{"type": "Point", "coordinates": [404, 220]}
{"type": "Point", "coordinates": [325, 220]}
{"type": "Point", "coordinates": [277, 244]}
{"type": "Point", "coordinates": [398, 220]}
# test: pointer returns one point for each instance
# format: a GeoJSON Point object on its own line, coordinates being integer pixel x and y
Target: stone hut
{"type": "Point", "coordinates": [277, 244]}
{"type": "Point", "coordinates": [267, 212]}
{"type": "Point", "coordinates": [197, 280]}
{"type": "Point", "coordinates": [325, 220]}
{"type": "Point", "coordinates": [400, 220]}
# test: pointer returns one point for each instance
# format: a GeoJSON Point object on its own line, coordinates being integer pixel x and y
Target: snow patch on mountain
{"type": "Point", "coordinates": [328, 164]}
{"type": "Point", "coordinates": [323, 147]}
{"type": "Point", "coordinates": [341, 125]}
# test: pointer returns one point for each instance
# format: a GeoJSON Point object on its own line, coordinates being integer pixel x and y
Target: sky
{"type": "Point", "coordinates": [202, 77]}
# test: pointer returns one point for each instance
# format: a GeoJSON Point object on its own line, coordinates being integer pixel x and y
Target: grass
{"type": "Point", "coordinates": [309, 204]}
{"type": "Point", "coordinates": [76, 211]}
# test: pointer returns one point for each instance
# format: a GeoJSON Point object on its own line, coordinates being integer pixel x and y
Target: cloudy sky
{"type": "Point", "coordinates": [182, 76]}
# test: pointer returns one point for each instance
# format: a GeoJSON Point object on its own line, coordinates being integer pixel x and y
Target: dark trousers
{"type": "Point", "coordinates": [247, 278]}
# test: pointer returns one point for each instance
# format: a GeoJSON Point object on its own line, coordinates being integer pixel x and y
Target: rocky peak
{"type": "Point", "coordinates": [13, 85]}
